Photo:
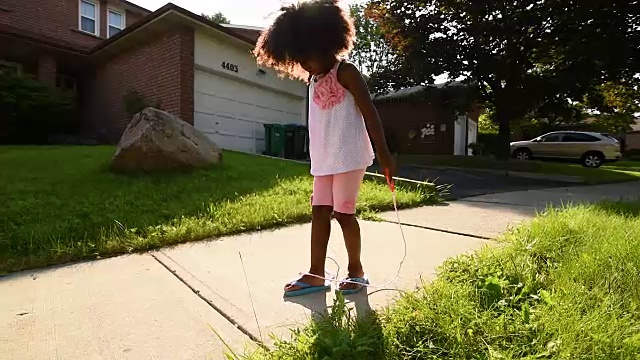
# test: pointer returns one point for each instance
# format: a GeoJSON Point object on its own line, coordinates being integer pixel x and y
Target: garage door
{"type": "Point", "coordinates": [232, 113]}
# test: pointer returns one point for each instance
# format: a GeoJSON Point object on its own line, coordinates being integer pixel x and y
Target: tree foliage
{"type": "Point", "coordinates": [486, 124]}
{"type": "Point", "coordinates": [217, 18]}
{"type": "Point", "coordinates": [371, 51]}
{"type": "Point", "coordinates": [554, 112]}
{"type": "Point", "coordinates": [618, 103]}
{"type": "Point", "coordinates": [521, 54]}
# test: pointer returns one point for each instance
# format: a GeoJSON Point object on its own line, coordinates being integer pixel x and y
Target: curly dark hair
{"type": "Point", "coordinates": [302, 32]}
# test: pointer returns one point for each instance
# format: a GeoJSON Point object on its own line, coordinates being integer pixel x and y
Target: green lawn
{"type": "Point", "coordinates": [610, 173]}
{"type": "Point", "coordinates": [566, 286]}
{"type": "Point", "coordinates": [61, 204]}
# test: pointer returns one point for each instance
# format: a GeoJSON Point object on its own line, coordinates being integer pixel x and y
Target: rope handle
{"type": "Point", "coordinates": [390, 181]}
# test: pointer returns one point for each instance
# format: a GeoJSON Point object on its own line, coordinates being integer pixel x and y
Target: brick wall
{"type": "Point", "coordinates": [55, 20]}
{"type": "Point", "coordinates": [47, 69]}
{"type": "Point", "coordinates": [160, 70]}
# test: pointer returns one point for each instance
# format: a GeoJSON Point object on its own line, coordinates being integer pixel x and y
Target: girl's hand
{"type": "Point", "coordinates": [388, 164]}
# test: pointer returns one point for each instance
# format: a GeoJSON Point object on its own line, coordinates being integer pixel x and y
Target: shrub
{"type": "Point", "coordinates": [477, 149]}
{"type": "Point", "coordinates": [134, 103]}
{"type": "Point", "coordinates": [489, 142]}
{"type": "Point", "coordinates": [30, 111]}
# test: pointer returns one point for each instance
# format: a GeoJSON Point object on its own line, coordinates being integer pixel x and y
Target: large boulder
{"type": "Point", "coordinates": [158, 141]}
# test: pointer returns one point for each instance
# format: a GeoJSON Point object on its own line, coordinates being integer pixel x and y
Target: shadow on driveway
{"type": "Point", "coordinates": [467, 183]}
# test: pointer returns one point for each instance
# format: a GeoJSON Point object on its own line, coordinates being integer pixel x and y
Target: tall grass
{"type": "Point", "coordinates": [566, 286]}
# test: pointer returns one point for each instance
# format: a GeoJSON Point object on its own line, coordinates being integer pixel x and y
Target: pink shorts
{"type": "Point", "coordinates": [339, 191]}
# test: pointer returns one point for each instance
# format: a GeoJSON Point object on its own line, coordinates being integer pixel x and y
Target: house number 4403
{"type": "Point", "coordinates": [229, 66]}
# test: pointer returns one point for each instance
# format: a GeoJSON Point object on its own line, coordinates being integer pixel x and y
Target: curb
{"type": "Point", "coordinates": [557, 178]}
{"type": "Point", "coordinates": [517, 174]}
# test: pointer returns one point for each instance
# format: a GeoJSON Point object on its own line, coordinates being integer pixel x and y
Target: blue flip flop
{"type": "Point", "coordinates": [305, 289]}
{"type": "Point", "coordinates": [360, 280]}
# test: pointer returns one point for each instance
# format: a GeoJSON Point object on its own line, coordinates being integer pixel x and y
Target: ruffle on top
{"type": "Point", "coordinates": [328, 91]}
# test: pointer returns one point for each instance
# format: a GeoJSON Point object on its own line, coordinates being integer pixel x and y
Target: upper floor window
{"type": "Point", "coordinates": [89, 16]}
{"type": "Point", "coordinates": [116, 22]}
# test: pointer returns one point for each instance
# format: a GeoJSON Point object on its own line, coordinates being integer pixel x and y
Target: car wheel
{"type": "Point", "coordinates": [592, 160]}
{"type": "Point", "coordinates": [522, 154]}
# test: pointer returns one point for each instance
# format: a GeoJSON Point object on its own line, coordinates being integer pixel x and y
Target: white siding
{"type": "Point", "coordinates": [231, 107]}
{"type": "Point", "coordinates": [458, 138]}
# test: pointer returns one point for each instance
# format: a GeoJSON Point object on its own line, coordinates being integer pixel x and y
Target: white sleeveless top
{"type": "Point", "coordinates": [338, 138]}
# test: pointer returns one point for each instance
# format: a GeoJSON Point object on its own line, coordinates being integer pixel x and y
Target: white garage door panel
{"type": "Point", "coordinates": [232, 143]}
{"type": "Point", "coordinates": [232, 113]}
{"type": "Point", "coordinates": [222, 124]}
{"type": "Point", "coordinates": [228, 95]}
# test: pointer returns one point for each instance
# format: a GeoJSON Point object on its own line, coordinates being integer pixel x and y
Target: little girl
{"type": "Point", "coordinates": [306, 42]}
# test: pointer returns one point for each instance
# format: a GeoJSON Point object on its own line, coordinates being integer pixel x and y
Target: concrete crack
{"type": "Point", "coordinates": [227, 317]}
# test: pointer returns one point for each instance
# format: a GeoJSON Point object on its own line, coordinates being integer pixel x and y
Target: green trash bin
{"type": "Point", "coordinates": [289, 145]}
{"type": "Point", "coordinates": [296, 143]}
{"type": "Point", "coordinates": [276, 140]}
{"type": "Point", "coordinates": [267, 139]}
{"type": "Point", "coordinates": [301, 141]}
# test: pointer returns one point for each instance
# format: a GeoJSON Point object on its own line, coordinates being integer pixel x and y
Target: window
{"type": "Point", "coordinates": [10, 67]}
{"type": "Point", "coordinates": [577, 137]}
{"type": "Point", "coordinates": [551, 138]}
{"type": "Point", "coordinates": [116, 22]}
{"type": "Point", "coordinates": [89, 17]}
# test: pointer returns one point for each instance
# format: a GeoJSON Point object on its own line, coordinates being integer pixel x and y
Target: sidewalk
{"type": "Point", "coordinates": [487, 216]}
{"type": "Point", "coordinates": [161, 305]}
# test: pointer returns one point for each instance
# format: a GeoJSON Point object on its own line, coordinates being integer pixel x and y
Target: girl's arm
{"type": "Point", "coordinates": [349, 76]}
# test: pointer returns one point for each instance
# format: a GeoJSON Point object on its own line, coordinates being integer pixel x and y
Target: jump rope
{"type": "Point", "coordinates": [334, 279]}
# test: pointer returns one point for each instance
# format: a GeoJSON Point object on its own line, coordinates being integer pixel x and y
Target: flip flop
{"type": "Point", "coordinates": [305, 289]}
{"type": "Point", "coordinates": [360, 280]}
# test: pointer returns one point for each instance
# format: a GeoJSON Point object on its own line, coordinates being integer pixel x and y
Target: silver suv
{"type": "Point", "coordinates": [590, 149]}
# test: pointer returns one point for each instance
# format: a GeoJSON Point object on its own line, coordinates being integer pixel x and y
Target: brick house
{"type": "Point", "coordinates": [198, 70]}
{"type": "Point", "coordinates": [417, 122]}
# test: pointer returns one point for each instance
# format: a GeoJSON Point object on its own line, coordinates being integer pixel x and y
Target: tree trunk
{"type": "Point", "coordinates": [503, 151]}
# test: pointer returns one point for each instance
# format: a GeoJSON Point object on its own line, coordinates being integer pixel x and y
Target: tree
{"type": "Point", "coordinates": [554, 112]}
{"type": "Point", "coordinates": [217, 18]}
{"type": "Point", "coordinates": [521, 54]}
{"type": "Point", "coordinates": [617, 103]}
{"type": "Point", "coordinates": [371, 51]}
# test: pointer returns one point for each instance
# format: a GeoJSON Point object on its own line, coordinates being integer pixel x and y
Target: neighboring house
{"type": "Point", "coordinates": [416, 122]}
{"type": "Point", "coordinates": [632, 137]}
{"type": "Point", "coordinates": [198, 70]}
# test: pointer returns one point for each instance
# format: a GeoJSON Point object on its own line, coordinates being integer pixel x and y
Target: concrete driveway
{"type": "Point", "coordinates": [467, 182]}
